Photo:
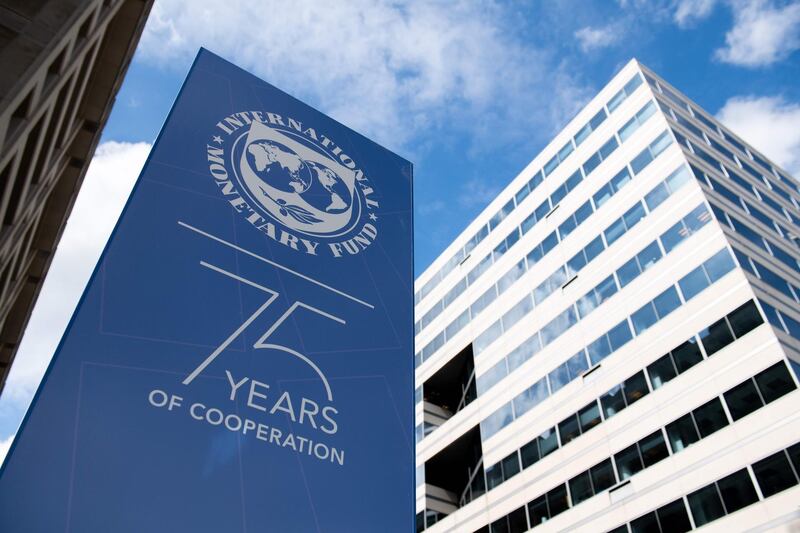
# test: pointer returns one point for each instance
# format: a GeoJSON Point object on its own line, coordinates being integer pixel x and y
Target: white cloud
{"type": "Point", "coordinates": [770, 124]}
{"type": "Point", "coordinates": [762, 33]}
{"type": "Point", "coordinates": [4, 446]}
{"type": "Point", "coordinates": [590, 38]}
{"type": "Point", "coordinates": [688, 12]}
{"type": "Point", "coordinates": [107, 185]}
{"type": "Point", "coordinates": [392, 70]}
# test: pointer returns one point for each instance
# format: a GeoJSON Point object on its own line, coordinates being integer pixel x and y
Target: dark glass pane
{"type": "Point", "coordinates": [613, 401]}
{"type": "Point", "coordinates": [737, 491]}
{"type": "Point", "coordinates": [710, 417]}
{"type": "Point", "coordinates": [635, 387]}
{"type": "Point", "coordinates": [645, 524]}
{"type": "Point", "coordinates": [494, 475]}
{"type": "Point", "coordinates": [517, 521]}
{"type": "Point", "coordinates": [568, 429]}
{"type": "Point", "coordinates": [530, 453]}
{"type": "Point", "coordinates": [661, 371]}
{"type": "Point", "coordinates": [742, 400]}
{"type": "Point", "coordinates": [602, 476]}
{"type": "Point", "coordinates": [653, 448]}
{"type": "Point", "coordinates": [774, 474]}
{"type": "Point", "coordinates": [628, 462]}
{"type": "Point", "coordinates": [420, 521]}
{"type": "Point", "coordinates": [687, 355]}
{"type": "Point", "coordinates": [745, 318]}
{"type": "Point", "coordinates": [500, 526]}
{"type": "Point", "coordinates": [557, 500]}
{"type": "Point", "coordinates": [580, 488]}
{"type": "Point", "coordinates": [510, 466]}
{"type": "Point", "coordinates": [589, 417]}
{"type": "Point", "coordinates": [705, 505]}
{"type": "Point", "coordinates": [774, 382]}
{"type": "Point", "coordinates": [621, 529]}
{"type": "Point", "coordinates": [537, 511]}
{"type": "Point", "coordinates": [548, 442]}
{"type": "Point", "coordinates": [674, 518]}
{"type": "Point", "coordinates": [716, 336]}
{"type": "Point", "coordinates": [682, 433]}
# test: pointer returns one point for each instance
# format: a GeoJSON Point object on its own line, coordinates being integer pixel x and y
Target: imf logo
{"type": "Point", "coordinates": [293, 184]}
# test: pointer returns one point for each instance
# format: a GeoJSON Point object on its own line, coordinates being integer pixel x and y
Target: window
{"type": "Point", "coordinates": [510, 466]}
{"type": "Point", "coordinates": [530, 397]}
{"type": "Point", "coordinates": [558, 378]}
{"type": "Point", "coordinates": [557, 500]}
{"type": "Point", "coordinates": [710, 417]}
{"type": "Point", "coordinates": [737, 491]}
{"type": "Point", "coordinates": [580, 488]}
{"type": "Point", "coordinates": [613, 401]}
{"type": "Point", "coordinates": [745, 318]}
{"type": "Point", "coordinates": [548, 442]}
{"type": "Point", "coordinates": [674, 518]}
{"type": "Point", "coordinates": [716, 336]}
{"type": "Point", "coordinates": [619, 335]}
{"type": "Point", "coordinates": [653, 448]}
{"type": "Point", "coordinates": [529, 453]}
{"type": "Point", "coordinates": [706, 505]}
{"type": "Point", "coordinates": [518, 521]}
{"type": "Point", "coordinates": [718, 265]}
{"type": "Point", "coordinates": [537, 511]}
{"type": "Point", "coordinates": [743, 400]}
{"type": "Point", "coordinates": [634, 388]}
{"type": "Point", "coordinates": [628, 272]}
{"type": "Point", "coordinates": [687, 355]}
{"type": "Point", "coordinates": [577, 364]}
{"type": "Point", "coordinates": [693, 283]}
{"type": "Point", "coordinates": [644, 318]}
{"type": "Point", "coordinates": [661, 371]}
{"type": "Point", "coordinates": [628, 462]}
{"type": "Point", "coordinates": [645, 524]}
{"type": "Point", "coordinates": [568, 429]}
{"type": "Point", "coordinates": [682, 433]}
{"type": "Point", "coordinates": [494, 476]}
{"type": "Point", "coordinates": [666, 302]}
{"type": "Point", "coordinates": [589, 417]}
{"type": "Point", "coordinates": [774, 382]}
{"type": "Point", "coordinates": [602, 476]}
{"type": "Point", "coordinates": [774, 474]}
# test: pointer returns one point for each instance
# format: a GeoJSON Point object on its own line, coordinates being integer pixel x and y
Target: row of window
{"type": "Point", "coordinates": [690, 285]}
{"type": "Point", "coordinates": [570, 269]}
{"type": "Point", "coordinates": [675, 362]}
{"type": "Point", "coordinates": [534, 182]}
{"type": "Point", "coordinates": [741, 400]}
{"type": "Point", "coordinates": [734, 176]}
{"type": "Point", "coordinates": [538, 214]}
{"type": "Point", "coordinates": [705, 179]}
{"type": "Point", "coordinates": [757, 239]}
{"type": "Point", "coordinates": [773, 474]}
{"type": "Point", "coordinates": [727, 136]}
{"type": "Point", "coordinates": [659, 193]}
{"type": "Point", "coordinates": [549, 167]}
{"type": "Point", "coordinates": [781, 320]}
{"type": "Point", "coordinates": [604, 290]}
{"type": "Point", "coordinates": [767, 276]}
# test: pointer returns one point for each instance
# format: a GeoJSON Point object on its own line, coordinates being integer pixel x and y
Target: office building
{"type": "Point", "coordinates": [63, 62]}
{"type": "Point", "coordinates": [614, 343]}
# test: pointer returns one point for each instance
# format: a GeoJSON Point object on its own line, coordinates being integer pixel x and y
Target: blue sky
{"type": "Point", "coordinates": [469, 91]}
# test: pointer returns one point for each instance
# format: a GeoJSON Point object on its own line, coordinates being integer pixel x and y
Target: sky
{"type": "Point", "coordinates": [468, 91]}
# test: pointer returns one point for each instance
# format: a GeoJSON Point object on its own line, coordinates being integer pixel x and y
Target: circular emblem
{"type": "Point", "coordinates": [291, 175]}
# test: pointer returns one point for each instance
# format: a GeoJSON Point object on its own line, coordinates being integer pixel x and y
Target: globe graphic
{"type": "Point", "coordinates": [279, 166]}
{"type": "Point", "coordinates": [282, 168]}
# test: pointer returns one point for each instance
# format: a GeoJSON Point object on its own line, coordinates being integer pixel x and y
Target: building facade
{"type": "Point", "coordinates": [63, 62]}
{"type": "Point", "coordinates": [614, 343]}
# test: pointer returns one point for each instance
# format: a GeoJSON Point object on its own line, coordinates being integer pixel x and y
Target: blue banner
{"type": "Point", "coordinates": [242, 357]}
